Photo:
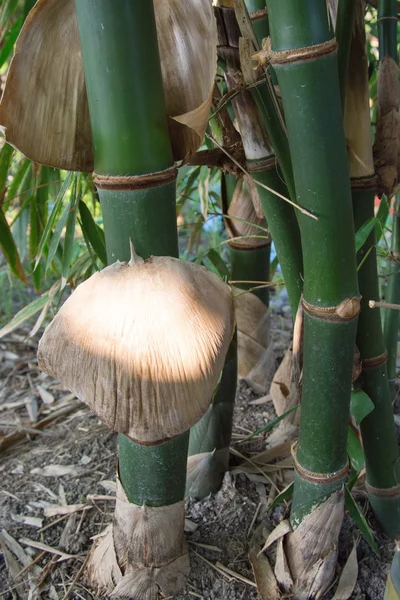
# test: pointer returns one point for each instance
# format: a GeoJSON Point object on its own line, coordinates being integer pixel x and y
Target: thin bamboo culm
{"type": "Point", "coordinates": [378, 428]}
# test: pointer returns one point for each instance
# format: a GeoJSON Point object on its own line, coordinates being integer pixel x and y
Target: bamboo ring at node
{"type": "Point", "coordinates": [258, 14]}
{"type": "Point", "coordinates": [317, 478]}
{"type": "Point", "coordinates": [262, 164]}
{"type": "Point", "coordinates": [135, 182]}
{"type": "Point", "coordinates": [346, 311]}
{"type": "Point", "coordinates": [299, 54]}
{"type": "Point", "coordinates": [393, 492]}
{"type": "Point", "coordinates": [364, 183]}
{"type": "Point", "coordinates": [376, 361]}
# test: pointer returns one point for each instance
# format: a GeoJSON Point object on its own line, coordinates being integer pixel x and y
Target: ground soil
{"type": "Point", "coordinates": [219, 527]}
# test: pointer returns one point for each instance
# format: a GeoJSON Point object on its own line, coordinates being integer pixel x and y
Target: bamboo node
{"type": "Point", "coordinates": [258, 14]}
{"type": "Point", "coordinates": [376, 361]}
{"type": "Point", "coordinates": [269, 56]}
{"type": "Point", "coordinates": [318, 478]}
{"type": "Point", "coordinates": [369, 182]}
{"type": "Point", "coordinates": [262, 164]}
{"type": "Point", "coordinates": [392, 492]}
{"type": "Point", "coordinates": [347, 310]}
{"type": "Point", "coordinates": [135, 182]}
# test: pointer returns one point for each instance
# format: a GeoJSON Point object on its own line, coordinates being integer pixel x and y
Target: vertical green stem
{"type": "Point", "coordinates": [321, 177]}
{"type": "Point", "coordinates": [387, 33]}
{"type": "Point", "coordinates": [391, 317]}
{"type": "Point", "coordinates": [130, 136]}
{"type": "Point", "coordinates": [344, 28]}
{"type": "Point", "coordinates": [378, 428]}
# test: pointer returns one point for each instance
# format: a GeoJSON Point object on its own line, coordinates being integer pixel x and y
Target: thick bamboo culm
{"type": "Point", "coordinates": [377, 428]}
{"type": "Point", "coordinates": [131, 138]}
{"type": "Point", "coordinates": [303, 51]}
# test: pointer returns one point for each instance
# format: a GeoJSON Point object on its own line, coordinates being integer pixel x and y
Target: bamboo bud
{"type": "Point", "coordinates": [143, 345]}
{"type": "Point", "coordinates": [44, 107]}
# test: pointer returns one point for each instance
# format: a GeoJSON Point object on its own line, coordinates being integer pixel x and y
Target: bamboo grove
{"type": "Point", "coordinates": [273, 97]}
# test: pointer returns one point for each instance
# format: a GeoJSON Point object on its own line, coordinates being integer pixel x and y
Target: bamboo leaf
{"type": "Point", "coordinates": [361, 405]}
{"type": "Point", "coordinates": [50, 223]}
{"type": "Point", "coordinates": [9, 41]}
{"type": "Point", "coordinates": [364, 232]}
{"type": "Point", "coordinates": [9, 248]}
{"type": "Point", "coordinates": [285, 494]}
{"type": "Point", "coordinates": [272, 424]}
{"type": "Point", "coordinates": [348, 578]}
{"type": "Point", "coordinates": [355, 451]}
{"type": "Point", "coordinates": [218, 263]}
{"type": "Point", "coordinates": [6, 155]}
{"type": "Point", "coordinates": [70, 232]}
{"type": "Point", "coordinates": [359, 519]}
{"type": "Point", "coordinates": [26, 313]}
{"type": "Point", "coordinates": [381, 218]}
{"type": "Point", "coordinates": [92, 232]}
{"type": "Point", "coordinates": [21, 177]}
{"type": "Point", "coordinates": [55, 238]}
{"type": "Point", "coordinates": [7, 11]}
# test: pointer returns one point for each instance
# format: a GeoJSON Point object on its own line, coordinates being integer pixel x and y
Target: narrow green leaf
{"type": "Point", "coordinates": [26, 313]}
{"type": "Point", "coordinates": [70, 232]}
{"type": "Point", "coordinates": [355, 451]}
{"type": "Point", "coordinates": [6, 12]}
{"type": "Point", "coordinates": [6, 155]}
{"type": "Point", "coordinates": [361, 405]}
{"type": "Point", "coordinates": [92, 232]}
{"type": "Point", "coordinates": [9, 248]}
{"type": "Point", "coordinates": [359, 519]}
{"type": "Point", "coordinates": [55, 238]}
{"type": "Point", "coordinates": [19, 182]}
{"type": "Point", "coordinates": [381, 218]}
{"type": "Point", "coordinates": [272, 424]}
{"type": "Point", "coordinates": [9, 41]}
{"type": "Point", "coordinates": [218, 263]}
{"type": "Point", "coordinates": [364, 232]}
{"type": "Point", "coordinates": [50, 223]}
{"type": "Point", "coordinates": [285, 494]}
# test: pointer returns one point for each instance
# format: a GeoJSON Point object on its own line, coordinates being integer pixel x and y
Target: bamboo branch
{"type": "Point", "coordinates": [376, 304]}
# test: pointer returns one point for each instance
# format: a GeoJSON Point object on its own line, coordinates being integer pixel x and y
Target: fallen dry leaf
{"type": "Point", "coordinates": [348, 578]}
{"type": "Point", "coordinates": [56, 470]}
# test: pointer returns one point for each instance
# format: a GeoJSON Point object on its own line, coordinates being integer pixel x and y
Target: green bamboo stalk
{"type": "Point", "coordinates": [257, 140]}
{"type": "Point", "coordinates": [387, 29]}
{"type": "Point", "coordinates": [210, 438]}
{"type": "Point", "coordinates": [391, 317]}
{"type": "Point", "coordinates": [135, 141]}
{"type": "Point", "coordinates": [131, 137]}
{"type": "Point", "coordinates": [318, 151]}
{"type": "Point", "coordinates": [377, 428]}
{"type": "Point", "coordinates": [387, 34]}
{"type": "Point", "coordinates": [258, 14]}
{"type": "Point", "coordinates": [249, 262]}
{"type": "Point", "coordinates": [344, 29]}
